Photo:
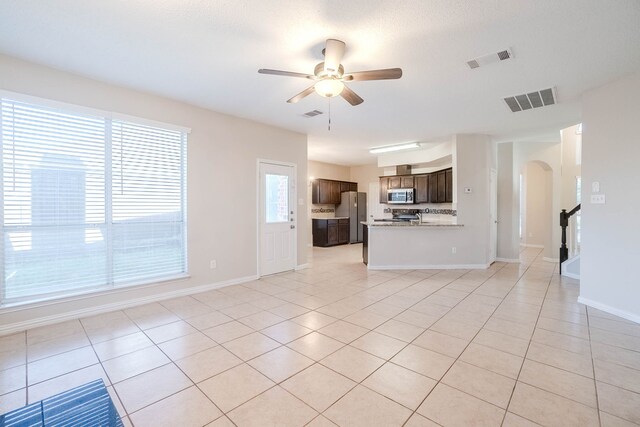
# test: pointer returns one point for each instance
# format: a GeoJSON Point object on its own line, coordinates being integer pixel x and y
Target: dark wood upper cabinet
{"type": "Point", "coordinates": [448, 185]}
{"type": "Point", "coordinates": [395, 182]}
{"type": "Point", "coordinates": [422, 188]}
{"type": "Point", "coordinates": [335, 193]}
{"type": "Point", "coordinates": [328, 192]}
{"type": "Point", "coordinates": [435, 187]}
{"type": "Point", "coordinates": [441, 186]}
{"type": "Point", "coordinates": [384, 186]}
{"type": "Point", "coordinates": [406, 181]}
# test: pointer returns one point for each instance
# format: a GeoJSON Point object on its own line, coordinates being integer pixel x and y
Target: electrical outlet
{"type": "Point", "coordinates": [213, 264]}
{"type": "Point", "coordinates": [453, 250]}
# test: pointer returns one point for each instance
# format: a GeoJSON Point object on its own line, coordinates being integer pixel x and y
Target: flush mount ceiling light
{"type": "Point", "coordinates": [390, 148]}
{"type": "Point", "coordinates": [329, 88]}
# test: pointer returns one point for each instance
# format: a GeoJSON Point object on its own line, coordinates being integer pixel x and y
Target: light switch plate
{"type": "Point", "coordinates": [598, 199]}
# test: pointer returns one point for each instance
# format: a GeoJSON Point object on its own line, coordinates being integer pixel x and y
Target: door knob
{"type": "Point", "coordinates": [293, 226]}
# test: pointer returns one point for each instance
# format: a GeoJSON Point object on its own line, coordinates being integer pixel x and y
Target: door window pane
{"type": "Point", "coordinates": [277, 198]}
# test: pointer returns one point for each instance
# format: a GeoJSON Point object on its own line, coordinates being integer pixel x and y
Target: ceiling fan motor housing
{"type": "Point", "coordinates": [320, 72]}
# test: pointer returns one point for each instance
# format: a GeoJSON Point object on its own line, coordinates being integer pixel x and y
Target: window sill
{"type": "Point", "coordinates": [77, 296]}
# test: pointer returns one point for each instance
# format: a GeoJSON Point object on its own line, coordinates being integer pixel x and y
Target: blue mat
{"type": "Point", "coordinates": [87, 405]}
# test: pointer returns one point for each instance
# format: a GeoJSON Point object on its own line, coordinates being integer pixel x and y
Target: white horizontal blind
{"type": "Point", "coordinates": [148, 214]}
{"type": "Point", "coordinates": [87, 203]}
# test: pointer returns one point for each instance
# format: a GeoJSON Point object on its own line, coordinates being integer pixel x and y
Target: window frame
{"type": "Point", "coordinates": [110, 286]}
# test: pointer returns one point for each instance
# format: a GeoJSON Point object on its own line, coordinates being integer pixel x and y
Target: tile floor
{"type": "Point", "coordinates": [336, 344]}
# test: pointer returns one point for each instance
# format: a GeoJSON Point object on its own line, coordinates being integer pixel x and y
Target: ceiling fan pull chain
{"type": "Point", "coordinates": [329, 127]}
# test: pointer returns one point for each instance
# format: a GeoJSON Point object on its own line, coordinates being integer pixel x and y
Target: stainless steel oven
{"type": "Point", "coordinates": [399, 196]}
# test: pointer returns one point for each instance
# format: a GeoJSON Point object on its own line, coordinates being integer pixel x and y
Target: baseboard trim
{"type": "Point", "coordinates": [105, 308]}
{"type": "Point", "coordinates": [608, 309]}
{"type": "Point", "coordinates": [547, 259]}
{"type": "Point", "coordinates": [571, 275]}
{"type": "Point", "coordinates": [430, 267]}
{"type": "Point", "coordinates": [509, 260]}
{"type": "Point", "coordinates": [527, 245]}
{"type": "Point", "coordinates": [302, 266]}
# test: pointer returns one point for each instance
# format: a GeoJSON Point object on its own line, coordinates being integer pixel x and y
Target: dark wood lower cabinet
{"type": "Point", "coordinates": [365, 244]}
{"type": "Point", "coordinates": [330, 232]}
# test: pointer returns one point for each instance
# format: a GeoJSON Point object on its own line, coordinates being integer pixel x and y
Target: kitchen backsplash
{"type": "Point", "coordinates": [433, 211]}
{"type": "Point", "coordinates": [322, 210]}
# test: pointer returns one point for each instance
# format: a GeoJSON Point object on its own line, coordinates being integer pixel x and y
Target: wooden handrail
{"type": "Point", "coordinates": [564, 223]}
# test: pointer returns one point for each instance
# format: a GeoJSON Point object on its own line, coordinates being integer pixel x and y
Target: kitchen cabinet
{"type": "Point", "coordinates": [448, 185]}
{"type": "Point", "coordinates": [395, 182]}
{"type": "Point", "coordinates": [435, 187]}
{"type": "Point", "coordinates": [384, 186]}
{"type": "Point", "coordinates": [406, 181]}
{"type": "Point", "coordinates": [328, 191]}
{"type": "Point", "coordinates": [441, 187]}
{"type": "Point", "coordinates": [422, 188]}
{"type": "Point", "coordinates": [330, 232]}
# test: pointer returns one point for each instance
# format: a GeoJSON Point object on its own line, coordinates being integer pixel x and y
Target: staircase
{"type": "Point", "coordinates": [569, 255]}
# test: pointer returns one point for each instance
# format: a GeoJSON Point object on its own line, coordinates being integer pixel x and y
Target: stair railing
{"type": "Point", "coordinates": [564, 223]}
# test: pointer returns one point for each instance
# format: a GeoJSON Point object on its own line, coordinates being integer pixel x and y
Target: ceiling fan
{"type": "Point", "coordinates": [329, 76]}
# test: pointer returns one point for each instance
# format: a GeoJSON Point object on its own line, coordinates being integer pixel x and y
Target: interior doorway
{"type": "Point", "coordinates": [277, 217]}
{"type": "Point", "coordinates": [536, 200]}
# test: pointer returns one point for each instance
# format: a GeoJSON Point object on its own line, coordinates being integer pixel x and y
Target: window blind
{"type": "Point", "coordinates": [87, 202]}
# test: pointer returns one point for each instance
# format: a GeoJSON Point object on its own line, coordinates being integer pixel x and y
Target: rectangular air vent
{"type": "Point", "coordinates": [312, 113]}
{"type": "Point", "coordinates": [491, 58]}
{"type": "Point", "coordinates": [537, 99]}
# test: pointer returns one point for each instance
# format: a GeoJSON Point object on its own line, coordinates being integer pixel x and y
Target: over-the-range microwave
{"type": "Point", "coordinates": [403, 196]}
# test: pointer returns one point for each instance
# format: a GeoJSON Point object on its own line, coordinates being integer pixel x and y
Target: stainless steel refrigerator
{"type": "Point", "coordinates": [353, 205]}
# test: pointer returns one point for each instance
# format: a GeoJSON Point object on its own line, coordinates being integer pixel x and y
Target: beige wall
{"type": "Point", "coordinates": [537, 194]}
{"type": "Point", "coordinates": [508, 204]}
{"type": "Point", "coordinates": [473, 159]}
{"type": "Point", "coordinates": [610, 235]}
{"type": "Point", "coordinates": [221, 181]}
{"type": "Point", "coordinates": [571, 166]}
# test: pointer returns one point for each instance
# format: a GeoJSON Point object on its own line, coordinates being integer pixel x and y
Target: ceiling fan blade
{"type": "Point", "coordinates": [286, 73]}
{"type": "Point", "coordinates": [351, 97]}
{"type": "Point", "coordinates": [388, 73]}
{"type": "Point", "coordinates": [333, 53]}
{"type": "Point", "coordinates": [298, 97]}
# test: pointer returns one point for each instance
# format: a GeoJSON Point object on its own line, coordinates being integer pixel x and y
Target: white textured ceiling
{"type": "Point", "coordinates": [207, 52]}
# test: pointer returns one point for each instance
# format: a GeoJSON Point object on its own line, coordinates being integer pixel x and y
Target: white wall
{"type": "Point", "coordinates": [610, 234]}
{"type": "Point", "coordinates": [221, 181]}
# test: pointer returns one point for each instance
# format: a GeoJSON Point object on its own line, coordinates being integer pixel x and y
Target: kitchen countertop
{"type": "Point", "coordinates": [409, 224]}
{"type": "Point", "coordinates": [337, 217]}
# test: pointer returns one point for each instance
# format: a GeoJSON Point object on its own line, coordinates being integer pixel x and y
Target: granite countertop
{"type": "Point", "coordinates": [409, 224]}
{"type": "Point", "coordinates": [337, 217]}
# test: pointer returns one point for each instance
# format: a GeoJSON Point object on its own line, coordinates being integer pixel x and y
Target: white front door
{"type": "Point", "coordinates": [493, 216]}
{"type": "Point", "coordinates": [277, 233]}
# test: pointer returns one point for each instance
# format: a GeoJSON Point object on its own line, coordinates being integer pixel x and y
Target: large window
{"type": "Point", "coordinates": [88, 201]}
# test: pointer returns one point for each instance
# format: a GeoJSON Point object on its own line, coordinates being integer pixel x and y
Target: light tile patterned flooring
{"type": "Point", "coordinates": [337, 344]}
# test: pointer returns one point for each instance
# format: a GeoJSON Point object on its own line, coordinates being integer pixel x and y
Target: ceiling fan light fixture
{"type": "Point", "coordinates": [329, 87]}
{"type": "Point", "coordinates": [390, 148]}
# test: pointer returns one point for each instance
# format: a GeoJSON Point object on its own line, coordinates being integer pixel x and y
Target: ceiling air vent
{"type": "Point", "coordinates": [491, 58]}
{"type": "Point", "coordinates": [527, 101]}
{"type": "Point", "coordinates": [312, 113]}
